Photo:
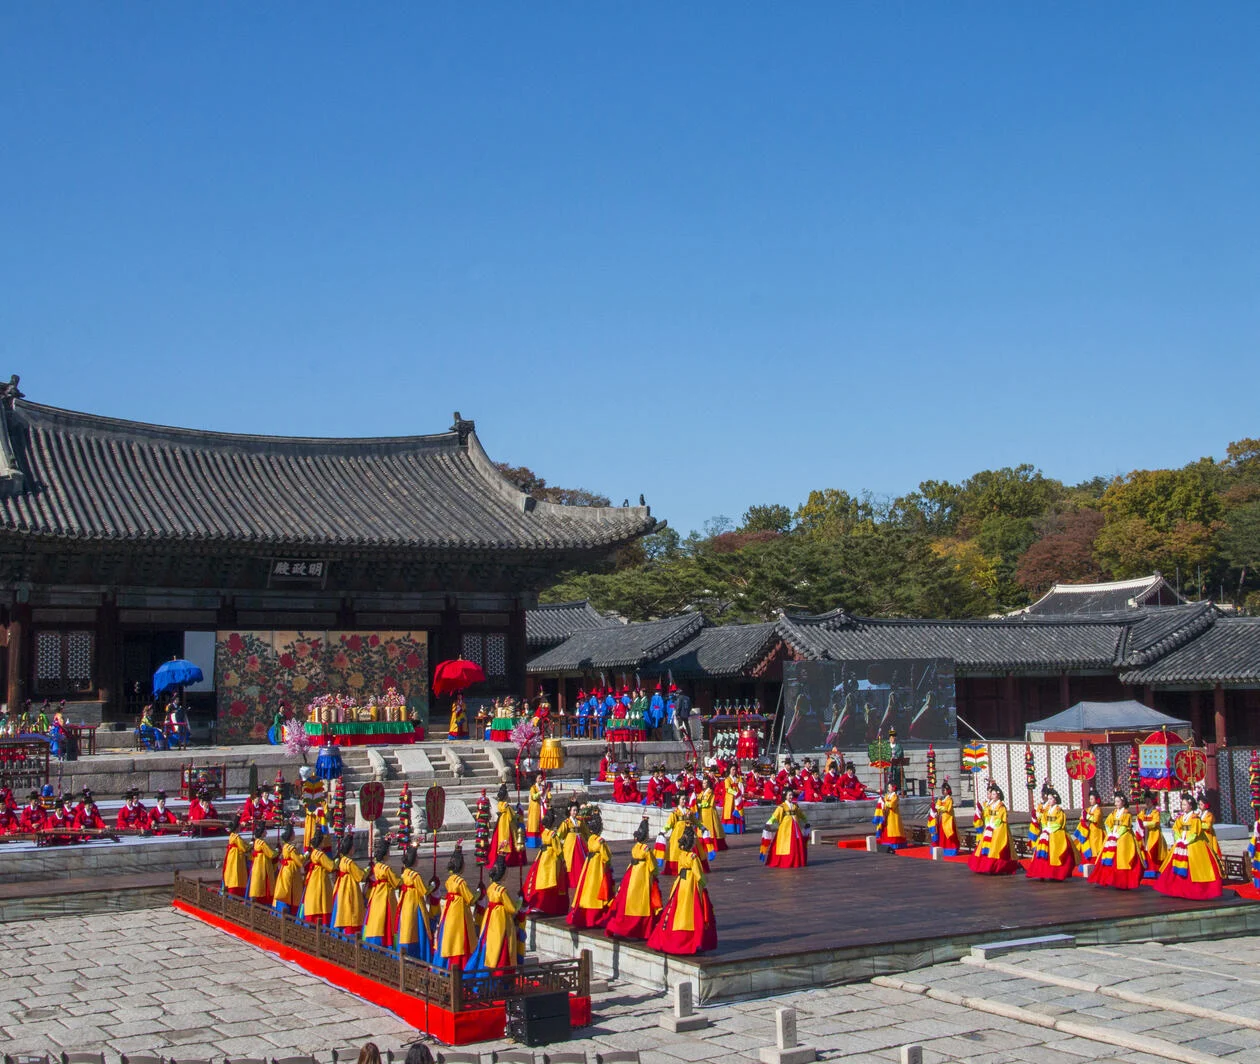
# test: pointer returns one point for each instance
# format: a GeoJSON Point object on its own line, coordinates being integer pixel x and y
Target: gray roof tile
{"type": "Point", "coordinates": [83, 477]}
{"type": "Point", "coordinates": [621, 647]}
{"type": "Point", "coordinates": [551, 623]}
{"type": "Point", "coordinates": [1226, 653]}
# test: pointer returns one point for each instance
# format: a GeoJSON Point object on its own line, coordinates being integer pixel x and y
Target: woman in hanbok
{"type": "Point", "coordinates": [415, 929]}
{"type": "Point", "coordinates": [1209, 828]}
{"type": "Point", "coordinates": [290, 879]}
{"type": "Point", "coordinates": [458, 725]}
{"type": "Point", "coordinates": [942, 826]}
{"type": "Point", "coordinates": [732, 797]}
{"type": "Point", "coordinates": [534, 813]}
{"type": "Point", "coordinates": [316, 905]}
{"type": "Point", "coordinates": [262, 872]}
{"type": "Point", "coordinates": [993, 850]}
{"type": "Point", "coordinates": [1121, 864]}
{"type": "Point", "coordinates": [638, 900]}
{"type": "Point", "coordinates": [499, 945]}
{"type": "Point", "coordinates": [1090, 835]}
{"type": "Point", "coordinates": [1253, 855]}
{"type": "Point", "coordinates": [235, 863]}
{"type": "Point", "coordinates": [687, 924]}
{"type": "Point", "coordinates": [1152, 835]}
{"type": "Point", "coordinates": [1191, 869]}
{"type": "Point", "coordinates": [457, 931]}
{"type": "Point", "coordinates": [593, 895]}
{"type": "Point", "coordinates": [347, 904]}
{"type": "Point", "coordinates": [710, 815]}
{"type": "Point", "coordinates": [570, 834]}
{"type": "Point", "coordinates": [1054, 857]}
{"type": "Point", "coordinates": [680, 818]}
{"type": "Point", "coordinates": [546, 883]}
{"type": "Point", "coordinates": [380, 923]}
{"type": "Point", "coordinates": [887, 819]}
{"type": "Point", "coordinates": [507, 841]}
{"type": "Point", "coordinates": [784, 842]}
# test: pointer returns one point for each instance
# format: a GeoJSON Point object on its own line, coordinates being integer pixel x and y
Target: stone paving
{"type": "Point", "coordinates": [156, 981]}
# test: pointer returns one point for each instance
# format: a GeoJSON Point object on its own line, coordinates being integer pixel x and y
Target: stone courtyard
{"type": "Point", "coordinates": [155, 981]}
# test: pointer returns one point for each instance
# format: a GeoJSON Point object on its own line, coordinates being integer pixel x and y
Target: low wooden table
{"type": "Point", "coordinates": [84, 736]}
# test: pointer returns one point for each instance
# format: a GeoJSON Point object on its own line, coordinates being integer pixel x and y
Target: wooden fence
{"type": "Point", "coordinates": [455, 991]}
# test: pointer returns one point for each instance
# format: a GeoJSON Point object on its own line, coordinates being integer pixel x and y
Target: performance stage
{"type": "Point", "coordinates": [852, 915]}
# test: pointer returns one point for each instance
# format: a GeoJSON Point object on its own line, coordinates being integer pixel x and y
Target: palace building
{"type": "Point", "coordinates": [289, 565]}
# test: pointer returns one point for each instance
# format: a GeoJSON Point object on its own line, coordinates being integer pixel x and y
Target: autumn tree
{"type": "Point", "coordinates": [1063, 555]}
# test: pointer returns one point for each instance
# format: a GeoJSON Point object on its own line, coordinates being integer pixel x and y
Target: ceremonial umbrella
{"type": "Point", "coordinates": [175, 673]}
{"type": "Point", "coordinates": [455, 675]}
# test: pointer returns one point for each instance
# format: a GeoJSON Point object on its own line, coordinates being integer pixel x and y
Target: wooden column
{"type": "Point", "coordinates": [19, 643]}
{"type": "Point", "coordinates": [1010, 704]}
{"type": "Point", "coordinates": [516, 649]}
{"type": "Point", "coordinates": [450, 639]}
{"type": "Point", "coordinates": [107, 664]}
{"type": "Point", "coordinates": [1218, 708]}
{"type": "Point", "coordinates": [1065, 690]}
{"type": "Point", "coordinates": [1196, 712]}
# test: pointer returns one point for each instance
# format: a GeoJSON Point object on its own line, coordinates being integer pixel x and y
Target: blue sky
{"type": "Point", "coordinates": [719, 254]}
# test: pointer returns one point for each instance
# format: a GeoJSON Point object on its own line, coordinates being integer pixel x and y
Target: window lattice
{"type": "Point", "coordinates": [78, 656]}
{"type": "Point", "coordinates": [472, 647]}
{"type": "Point", "coordinates": [496, 654]}
{"type": "Point", "coordinates": [48, 655]}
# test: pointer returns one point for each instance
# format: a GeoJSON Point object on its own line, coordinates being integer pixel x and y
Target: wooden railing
{"type": "Point", "coordinates": [455, 991]}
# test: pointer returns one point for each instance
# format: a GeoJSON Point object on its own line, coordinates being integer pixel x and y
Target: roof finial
{"type": "Point", "coordinates": [464, 428]}
{"type": "Point", "coordinates": [11, 392]}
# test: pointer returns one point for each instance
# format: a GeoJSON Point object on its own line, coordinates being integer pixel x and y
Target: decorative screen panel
{"type": "Point", "coordinates": [78, 657]}
{"type": "Point", "coordinates": [48, 656]}
{"type": "Point", "coordinates": [472, 648]}
{"type": "Point", "coordinates": [496, 654]}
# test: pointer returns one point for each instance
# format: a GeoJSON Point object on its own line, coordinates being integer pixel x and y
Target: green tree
{"type": "Point", "coordinates": [1163, 497]}
{"type": "Point", "coordinates": [771, 517]}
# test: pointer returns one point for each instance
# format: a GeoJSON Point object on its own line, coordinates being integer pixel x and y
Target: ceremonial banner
{"type": "Point", "coordinates": [850, 704]}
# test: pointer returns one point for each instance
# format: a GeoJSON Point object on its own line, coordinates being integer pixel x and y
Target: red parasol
{"type": "Point", "coordinates": [455, 675]}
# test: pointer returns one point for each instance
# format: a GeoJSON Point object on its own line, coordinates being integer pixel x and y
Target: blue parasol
{"type": "Point", "coordinates": [175, 673]}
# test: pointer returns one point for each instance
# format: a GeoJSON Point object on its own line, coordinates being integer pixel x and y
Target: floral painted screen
{"type": "Point", "coordinates": [258, 674]}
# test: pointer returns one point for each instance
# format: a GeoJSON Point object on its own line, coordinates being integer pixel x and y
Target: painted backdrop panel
{"type": "Point", "coordinates": [258, 673]}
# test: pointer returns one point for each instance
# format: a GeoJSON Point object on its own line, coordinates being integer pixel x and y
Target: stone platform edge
{"type": "Point", "coordinates": [722, 981]}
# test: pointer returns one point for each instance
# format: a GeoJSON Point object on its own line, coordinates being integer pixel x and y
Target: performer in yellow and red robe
{"type": "Point", "coordinates": [687, 924]}
{"type": "Point", "coordinates": [1090, 836]}
{"type": "Point", "coordinates": [570, 833]}
{"type": "Point", "coordinates": [993, 851]}
{"type": "Point", "coordinates": [731, 796]}
{"type": "Point", "coordinates": [262, 872]}
{"type": "Point", "coordinates": [1209, 829]}
{"type": "Point", "coordinates": [534, 814]}
{"type": "Point", "coordinates": [709, 815]}
{"type": "Point", "coordinates": [1253, 854]}
{"type": "Point", "coordinates": [347, 903]}
{"type": "Point", "coordinates": [1053, 857]}
{"type": "Point", "coordinates": [415, 929]}
{"type": "Point", "coordinates": [784, 842]}
{"type": "Point", "coordinates": [1121, 864]}
{"type": "Point", "coordinates": [458, 728]}
{"type": "Point", "coordinates": [507, 840]}
{"type": "Point", "coordinates": [289, 879]}
{"type": "Point", "coordinates": [942, 826]}
{"type": "Point", "coordinates": [887, 819]}
{"type": "Point", "coordinates": [1190, 870]}
{"type": "Point", "coordinates": [595, 888]}
{"type": "Point", "coordinates": [235, 865]}
{"type": "Point", "coordinates": [456, 936]}
{"type": "Point", "coordinates": [317, 891]}
{"type": "Point", "coordinates": [638, 899]}
{"type": "Point", "coordinates": [499, 945]}
{"type": "Point", "coordinates": [667, 843]}
{"type": "Point", "coordinates": [546, 883]}
{"type": "Point", "coordinates": [380, 924]}
{"type": "Point", "coordinates": [1152, 835]}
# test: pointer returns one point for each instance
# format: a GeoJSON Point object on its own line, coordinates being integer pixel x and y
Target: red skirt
{"type": "Point", "coordinates": [1176, 886]}
{"type": "Point", "coordinates": [1002, 865]}
{"type": "Point", "coordinates": [796, 857]}
{"type": "Point", "coordinates": [619, 925]}
{"type": "Point", "coordinates": [1119, 878]}
{"type": "Point", "coordinates": [553, 901]}
{"type": "Point", "coordinates": [702, 936]}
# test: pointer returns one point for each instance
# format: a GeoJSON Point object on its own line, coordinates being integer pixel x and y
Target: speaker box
{"type": "Point", "coordinates": [538, 1019]}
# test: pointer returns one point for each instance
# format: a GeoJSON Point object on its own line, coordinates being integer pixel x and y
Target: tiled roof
{"type": "Point", "coordinates": [552, 623]}
{"type": "Point", "coordinates": [1074, 599]}
{"type": "Point", "coordinates": [731, 650]}
{"type": "Point", "coordinates": [1159, 630]}
{"type": "Point", "coordinates": [976, 646]}
{"type": "Point", "coordinates": [620, 647]}
{"type": "Point", "coordinates": [1227, 653]}
{"type": "Point", "coordinates": [72, 476]}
